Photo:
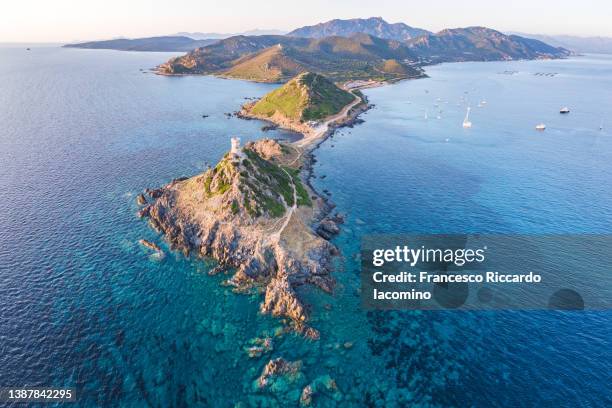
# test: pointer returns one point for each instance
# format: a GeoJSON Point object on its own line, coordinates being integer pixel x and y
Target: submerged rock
{"type": "Point", "coordinates": [267, 128]}
{"type": "Point", "coordinates": [150, 245]}
{"type": "Point", "coordinates": [324, 386]}
{"type": "Point", "coordinates": [312, 334]}
{"type": "Point", "coordinates": [306, 397]}
{"type": "Point", "coordinates": [259, 347]}
{"type": "Point", "coordinates": [279, 367]}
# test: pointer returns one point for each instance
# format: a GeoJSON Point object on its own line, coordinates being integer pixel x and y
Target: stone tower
{"type": "Point", "coordinates": [235, 150]}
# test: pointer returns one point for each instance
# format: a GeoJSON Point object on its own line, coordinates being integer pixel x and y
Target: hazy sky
{"type": "Point", "coordinates": [67, 20]}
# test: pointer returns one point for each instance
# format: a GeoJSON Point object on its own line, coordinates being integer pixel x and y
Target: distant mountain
{"type": "Point", "coordinates": [275, 58]}
{"type": "Point", "coordinates": [594, 45]}
{"type": "Point", "coordinates": [203, 36]}
{"type": "Point", "coordinates": [480, 44]}
{"type": "Point", "coordinates": [375, 26]}
{"type": "Point", "coordinates": [308, 96]}
{"type": "Point", "coordinates": [168, 43]}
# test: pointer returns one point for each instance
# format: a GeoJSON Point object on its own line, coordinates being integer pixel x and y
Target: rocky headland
{"type": "Point", "coordinates": [255, 212]}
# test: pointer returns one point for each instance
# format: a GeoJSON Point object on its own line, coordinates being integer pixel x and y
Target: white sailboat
{"type": "Point", "coordinates": [466, 121]}
{"type": "Point", "coordinates": [426, 117]}
{"type": "Point", "coordinates": [601, 125]}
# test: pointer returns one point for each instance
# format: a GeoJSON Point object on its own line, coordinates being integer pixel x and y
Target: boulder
{"type": "Point", "coordinates": [327, 229]}
{"type": "Point", "coordinates": [154, 193]}
{"type": "Point", "coordinates": [141, 199]}
{"type": "Point", "coordinates": [144, 212]}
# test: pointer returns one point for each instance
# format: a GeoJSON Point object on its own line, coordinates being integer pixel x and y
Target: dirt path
{"type": "Point", "coordinates": [301, 146]}
{"type": "Point", "coordinates": [276, 236]}
{"type": "Point", "coordinates": [322, 129]}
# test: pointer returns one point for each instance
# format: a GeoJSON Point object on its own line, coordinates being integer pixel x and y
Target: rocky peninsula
{"type": "Point", "coordinates": [255, 212]}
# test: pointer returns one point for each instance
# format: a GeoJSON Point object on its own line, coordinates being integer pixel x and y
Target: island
{"type": "Point", "coordinates": [255, 211]}
{"type": "Point", "coordinates": [354, 50]}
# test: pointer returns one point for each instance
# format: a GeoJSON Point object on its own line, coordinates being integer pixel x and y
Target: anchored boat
{"type": "Point", "coordinates": [466, 121]}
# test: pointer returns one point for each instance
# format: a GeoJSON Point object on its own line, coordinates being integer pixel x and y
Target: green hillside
{"type": "Point", "coordinates": [278, 58]}
{"type": "Point", "coordinates": [270, 65]}
{"type": "Point", "coordinates": [308, 96]}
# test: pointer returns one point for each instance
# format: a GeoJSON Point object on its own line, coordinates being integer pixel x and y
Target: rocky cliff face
{"type": "Point", "coordinates": [252, 214]}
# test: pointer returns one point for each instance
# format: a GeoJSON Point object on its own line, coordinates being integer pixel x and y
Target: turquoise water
{"type": "Point", "coordinates": [82, 304]}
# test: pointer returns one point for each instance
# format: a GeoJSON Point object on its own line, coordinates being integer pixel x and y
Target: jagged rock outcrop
{"type": "Point", "coordinates": [266, 148]}
{"type": "Point", "coordinates": [141, 199]}
{"type": "Point", "coordinates": [328, 228]}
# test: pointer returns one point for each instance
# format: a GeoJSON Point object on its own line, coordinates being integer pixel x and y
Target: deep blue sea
{"type": "Point", "coordinates": [83, 305]}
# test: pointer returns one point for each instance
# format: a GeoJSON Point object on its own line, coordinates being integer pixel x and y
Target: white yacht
{"type": "Point", "coordinates": [541, 126]}
{"type": "Point", "coordinates": [466, 121]}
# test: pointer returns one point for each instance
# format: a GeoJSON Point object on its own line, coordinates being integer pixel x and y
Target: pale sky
{"type": "Point", "coordinates": [69, 20]}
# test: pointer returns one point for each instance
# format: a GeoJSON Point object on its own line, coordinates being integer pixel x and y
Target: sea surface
{"type": "Point", "coordinates": [83, 305]}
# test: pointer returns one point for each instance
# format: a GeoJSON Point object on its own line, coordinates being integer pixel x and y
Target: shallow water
{"type": "Point", "coordinates": [82, 304]}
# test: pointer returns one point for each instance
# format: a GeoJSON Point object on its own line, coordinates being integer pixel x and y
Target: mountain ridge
{"type": "Point", "coordinates": [375, 26]}
{"type": "Point", "coordinates": [478, 43]}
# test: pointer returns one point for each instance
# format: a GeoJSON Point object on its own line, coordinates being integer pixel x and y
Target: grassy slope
{"type": "Point", "coordinates": [262, 186]}
{"type": "Point", "coordinates": [391, 66]}
{"type": "Point", "coordinates": [306, 97]}
{"type": "Point", "coordinates": [325, 98]}
{"type": "Point", "coordinates": [269, 65]}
